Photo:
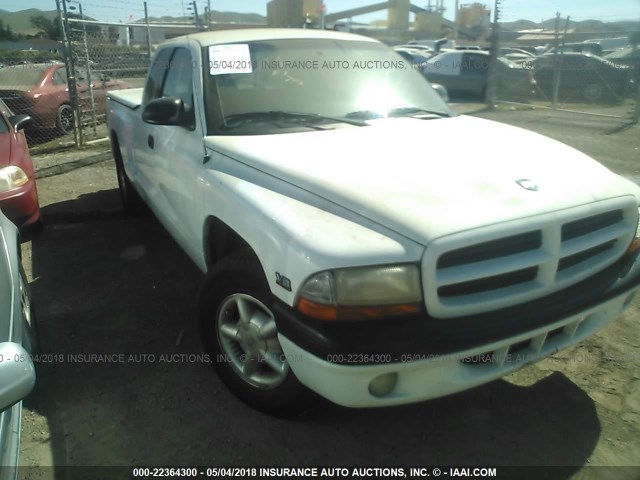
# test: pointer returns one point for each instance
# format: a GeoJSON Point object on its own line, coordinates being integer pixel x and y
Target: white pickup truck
{"type": "Point", "coordinates": [361, 241]}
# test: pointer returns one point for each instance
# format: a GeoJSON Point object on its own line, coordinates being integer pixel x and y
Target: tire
{"type": "Point", "coordinates": [64, 119]}
{"type": "Point", "coordinates": [132, 203]}
{"type": "Point", "coordinates": [239, 333]}
{"type": "Point", "coordinates": [593, 92]}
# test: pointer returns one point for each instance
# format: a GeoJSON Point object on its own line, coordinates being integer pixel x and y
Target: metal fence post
{"type": "Point", "coordinates": [556, 64]}
{"type": "Point", "coordinates": [71, 79]}
{"type": "Point", "coordinates": [492, 74]}
{"type": "Point", "coordinates": [89, 79]}
{"type": "Point", "coordinates": [68, 62]}
{"type": "Point", "coordinates": [636, 111]}
{"type": "Point", "coordinates": [146, 21]}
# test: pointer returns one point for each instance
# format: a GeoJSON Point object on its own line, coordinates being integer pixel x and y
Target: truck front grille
{"type": "Point", "coordinates": [501, 265]}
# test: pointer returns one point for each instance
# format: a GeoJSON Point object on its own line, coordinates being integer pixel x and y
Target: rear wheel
{"type": "Point", "coordinates": [132, 203]}
{"type": "Point", "coordinates": [240, 334]}
{"type": "Point", "coordinates": [593, 92]}
{"type": "Point", "coordinates": [64, 119]}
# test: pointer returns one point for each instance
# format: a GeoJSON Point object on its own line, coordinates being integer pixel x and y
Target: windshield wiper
{"type": "Point", "coordinates": [395, 112]}
{"type": "Point", "coordinates": [364, 115]}
{"type": "Point", "coordinates": [413, 111]}
{"type": "Point", "coordinates": [276, 115]}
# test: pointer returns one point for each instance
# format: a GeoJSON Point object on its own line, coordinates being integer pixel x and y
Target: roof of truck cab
{"type": "Point", "coordinates": [255, 34]}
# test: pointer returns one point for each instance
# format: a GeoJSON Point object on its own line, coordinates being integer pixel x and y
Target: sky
{"type": "Point", "coordinates": [536, 10]}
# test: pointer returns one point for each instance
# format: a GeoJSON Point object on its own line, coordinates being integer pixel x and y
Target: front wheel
{"type": "Point", "coordinates": [240, 334]}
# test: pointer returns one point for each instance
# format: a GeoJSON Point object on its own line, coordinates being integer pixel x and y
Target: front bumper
{"type": "Point", "coordinates": [21, 205]}
{"type": "Point", "coordinates": [467, 355]}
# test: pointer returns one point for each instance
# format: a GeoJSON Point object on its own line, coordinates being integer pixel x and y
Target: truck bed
{"type": "Point", "coordinates": [131, 98]}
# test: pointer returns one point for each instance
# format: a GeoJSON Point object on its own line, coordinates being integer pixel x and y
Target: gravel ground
{"type": "Point", "coordinates": [120, 287]}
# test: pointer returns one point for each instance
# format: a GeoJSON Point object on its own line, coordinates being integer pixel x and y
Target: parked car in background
{"type": "Point", "coordinates": [592, 48]}
{"type": "Point", "coordinates": [419, 61]}
{"type": "Point", "coordinates": [422, 49]}
{"type": "Point", "coordinates": [40, 91]}
{"type": "Point", "coordinates": [627, 56]}
{"type": "Point", "coordinates": [18, 192]}
{"type": "Point", "coordinates": [583, 77]}
{"type": "Point", "coordinates": [516, 55]}
{"type": "Point", "coordinates": [608, 45]}
{"type": "Point", "coordinates": [416, 57]}
{"type": "Point", "coordinates": [466, 72]}
{"type": "Point", "coordinates": [17, 342]}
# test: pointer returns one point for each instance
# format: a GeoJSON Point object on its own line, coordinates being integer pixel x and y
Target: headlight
{"type": "Point", "coordinates": [362, 292]}
{"type": "Point", "coordinates": [12, 177]}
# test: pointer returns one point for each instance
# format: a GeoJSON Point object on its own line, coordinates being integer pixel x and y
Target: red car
{"type": "Point", "coordinates": [40, 91]}
{"type": "Point", "coordinates": [18, 192]}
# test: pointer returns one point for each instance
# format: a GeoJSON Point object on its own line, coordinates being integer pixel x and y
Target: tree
{"type": "Point", "coordinates": [47, 28]}
{"type": "Point", "coordinates": [6, 33]}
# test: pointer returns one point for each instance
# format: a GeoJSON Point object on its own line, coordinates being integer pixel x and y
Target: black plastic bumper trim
{"type": "Point", "coordinates": [422, 334]}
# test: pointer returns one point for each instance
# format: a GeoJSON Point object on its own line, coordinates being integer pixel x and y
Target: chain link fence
{"type": "Point", "coordinates": [593, 73]}
{"type": "Point", "coordinates": [103, 58]}
{"type": "Point", "coordinates": [64, 87]}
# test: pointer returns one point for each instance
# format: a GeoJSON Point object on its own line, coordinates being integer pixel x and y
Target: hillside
{"type": "Point", "coordinates": [216, 16]}
{"type": "Point", "coordinates": [582, 26]}
{"type": "Point", "coordinates": [20, 22]}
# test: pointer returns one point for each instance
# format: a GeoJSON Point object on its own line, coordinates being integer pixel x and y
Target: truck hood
{"type": "Point", "coordinates": [429, 178]}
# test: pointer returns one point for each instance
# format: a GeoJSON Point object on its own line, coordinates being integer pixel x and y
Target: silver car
{"type": "Point", "coordinates": [17, 342]}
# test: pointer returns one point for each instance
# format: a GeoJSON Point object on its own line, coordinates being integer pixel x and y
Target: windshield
{"type": "Point", "coordinates": [330, 78]}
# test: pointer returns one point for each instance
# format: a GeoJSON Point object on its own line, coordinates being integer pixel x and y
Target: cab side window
{"type": "Point", "coordinates": [157, 72]}
{"type": "Point", "coordinates": [179, 82]}
{"type": "Point", "coordinates": [60, 77]}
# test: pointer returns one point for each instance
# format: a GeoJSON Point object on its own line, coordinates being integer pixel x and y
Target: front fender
{"type": "Point", "coordinates": [294, 232]}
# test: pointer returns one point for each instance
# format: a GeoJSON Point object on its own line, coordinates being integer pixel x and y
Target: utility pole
{"type": "Point", "coordinates": [196, 21]}
{"type": "Point", "coordinates": [492, 74]}
{"type": "Point", "coordinates": [455, 22]}
{"type": "Point", "coordinates": [208, 14]}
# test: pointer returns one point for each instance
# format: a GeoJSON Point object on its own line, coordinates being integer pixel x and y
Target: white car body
{"type": "Point", "coordinates": [368, 196]}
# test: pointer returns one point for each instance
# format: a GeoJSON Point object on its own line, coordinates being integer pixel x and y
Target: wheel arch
{"type": "Point", "coordinates": [220, 240]}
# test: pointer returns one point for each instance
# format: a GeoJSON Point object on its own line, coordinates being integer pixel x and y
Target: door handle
{"type": "Point", "coordinates": [150, 141]}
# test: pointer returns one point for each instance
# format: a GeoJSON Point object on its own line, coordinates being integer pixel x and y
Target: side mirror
{"type": "Point", "coordinates": [442, 91]}
{"type": "Point", "coordinates": [20, 121]}
{"type": "Point", "coordinates": [17, 374]}
{"type": "Point", "coordinates": [165, 111]}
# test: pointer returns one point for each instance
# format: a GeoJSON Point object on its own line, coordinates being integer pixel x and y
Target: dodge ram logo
{"type": "Point", "coordinates": [528, 184]}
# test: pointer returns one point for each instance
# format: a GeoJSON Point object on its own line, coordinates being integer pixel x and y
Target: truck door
{"type": "Point", "coordinates": [143, 170]}
{"type": "Point", "coordinates": [176, 152]}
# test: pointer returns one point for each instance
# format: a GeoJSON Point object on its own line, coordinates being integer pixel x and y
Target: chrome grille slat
{"type": "Point", "coordinates": [498, 266]}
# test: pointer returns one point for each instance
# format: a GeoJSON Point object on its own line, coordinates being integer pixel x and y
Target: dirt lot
{"type": "Point", "coordinates": [120, 287]}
